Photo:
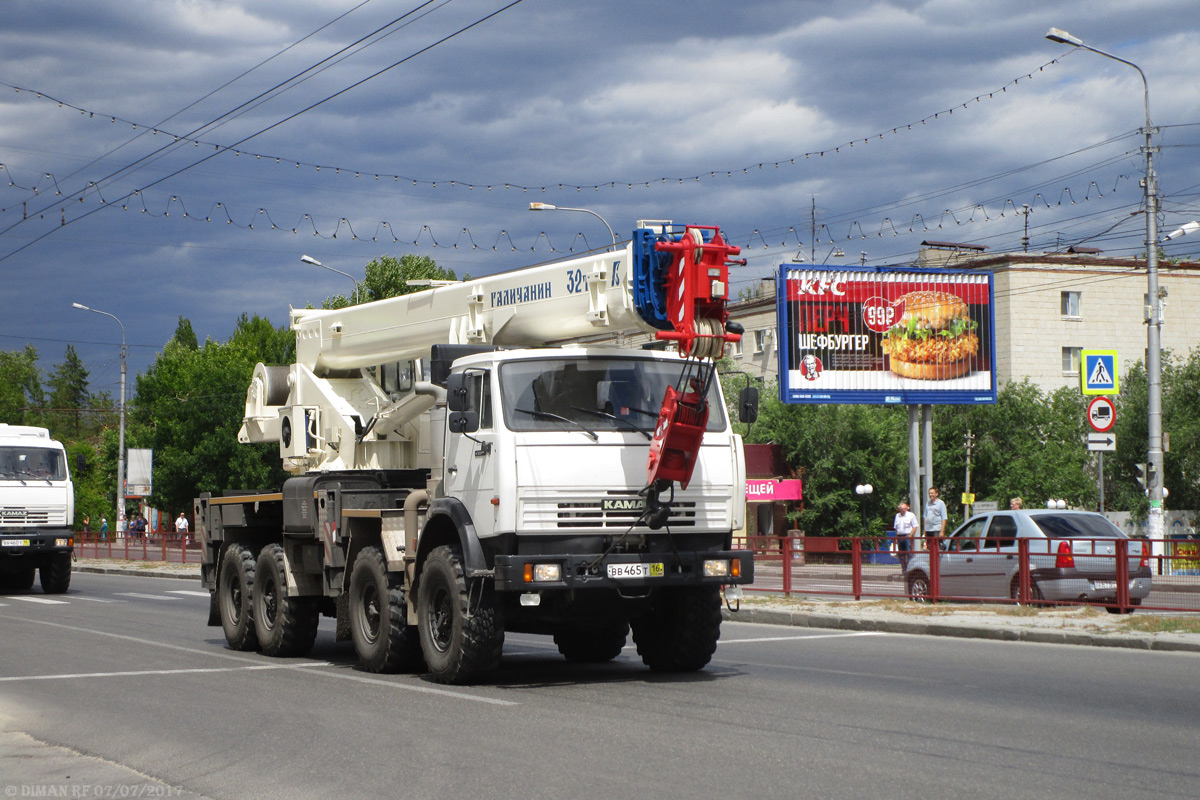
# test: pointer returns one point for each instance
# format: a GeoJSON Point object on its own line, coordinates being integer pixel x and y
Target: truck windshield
{"type": "Point", "coordinates": [597, 394]}
{"type": "Point", "coordinates": [32, 463]}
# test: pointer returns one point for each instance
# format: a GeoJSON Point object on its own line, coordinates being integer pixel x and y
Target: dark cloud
{"type": "Point", "coordinates": [743, 96]}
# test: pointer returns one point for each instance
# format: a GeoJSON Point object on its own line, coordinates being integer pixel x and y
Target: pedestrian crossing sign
{"type": "Point", "coordinates": [1098, 371]}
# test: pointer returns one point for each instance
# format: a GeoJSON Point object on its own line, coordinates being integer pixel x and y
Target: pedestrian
{"type": "Point", "coordinates": [935, 515]}
{"type": "Point", "coordinates": [905, 525]}
{"type": "Point", "coordinates": [104, 528]}
{"type": "Point", "coordinates": [181, 527]}
{"type": "Point", "coordinates": [87, 524]}
{"type": "Point", "coordinates": [1016, 504]}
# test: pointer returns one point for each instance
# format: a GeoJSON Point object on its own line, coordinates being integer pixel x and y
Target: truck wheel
{"type": "Point", "coordinates": [680, 631]}
{"type": "Point", "coordinates": [379, 625]}
{"type": "Point", "coordinates": [18, 580]}
{"type": "Point", "coordinates": [56, 574]}
{"type": "Point", "coordinates": [462, 634]}
{"type": "Point", "coordinates": [235, 590]}
{"type": "Point", "coordinates": [285, 626]}
{"type": "Point", "coordinates": [592, 645]}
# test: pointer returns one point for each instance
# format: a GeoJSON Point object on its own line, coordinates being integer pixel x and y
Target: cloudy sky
{"type": "Point", "coordinates": [167, 158]}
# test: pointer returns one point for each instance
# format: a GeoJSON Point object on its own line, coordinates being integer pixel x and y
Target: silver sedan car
{"type": "Point", "coordinates": [1071, 558]}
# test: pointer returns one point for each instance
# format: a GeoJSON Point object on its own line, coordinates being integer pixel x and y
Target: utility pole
{"type": "Point", "coordinates": [967, 483]}
{"type": "Point", "coordinates": [1025, 209]}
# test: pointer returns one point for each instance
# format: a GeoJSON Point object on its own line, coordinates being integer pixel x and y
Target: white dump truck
{"type": "Point", "coordinates": [37, 508]}
{"type": "Point", "coordinates": [463, 467]}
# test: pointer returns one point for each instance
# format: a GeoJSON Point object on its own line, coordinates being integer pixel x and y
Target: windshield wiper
{"type": "Point", "coordinates": [550, 415]}
{"type": "Point", "coordinates": [605, 415]}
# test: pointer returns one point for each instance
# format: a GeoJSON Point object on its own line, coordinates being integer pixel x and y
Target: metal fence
{"type": "Point", "coordinates": [864, 568]}
{"type": "Point", "coordinates": [173, 548]}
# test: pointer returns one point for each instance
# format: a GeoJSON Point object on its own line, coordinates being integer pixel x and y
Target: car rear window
{"type": "Point", "coordinates": [1077, 526]}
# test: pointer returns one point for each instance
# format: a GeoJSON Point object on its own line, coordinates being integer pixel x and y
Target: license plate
{"type": "Point", "coordinates": [638, 570]}
{"type": "Point", "coordinates": [1104, 584]}
{"type": "Point", "coordinates": [15, 543]}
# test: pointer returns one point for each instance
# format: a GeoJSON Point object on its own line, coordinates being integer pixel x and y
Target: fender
{"type": "Point", "coordinates": [452, 510]}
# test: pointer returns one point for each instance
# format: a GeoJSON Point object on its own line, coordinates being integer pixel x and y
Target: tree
{"type": "Point", "coordinates": [188, 408]}
{"type": "Point", "coordinates": [388, 276]}
{"type": "Point", "coordinates": [21, 388]}
{"type": "Point", "coordinates": [69, 396]}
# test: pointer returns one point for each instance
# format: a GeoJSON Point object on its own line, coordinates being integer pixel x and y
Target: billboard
{"type": "Point", "coordinates": [885, 335]}
{"type": "Point", "coordinates": [139, 467]}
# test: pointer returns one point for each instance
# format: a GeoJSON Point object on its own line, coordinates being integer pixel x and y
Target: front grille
{"type": "Point", "coordinates": [30, 516]}
{"type": "Point", "coordinates": [583, 513]}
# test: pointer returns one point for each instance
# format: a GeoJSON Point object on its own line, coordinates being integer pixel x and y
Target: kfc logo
{"type": "Point", "coordinates": [811, 367]}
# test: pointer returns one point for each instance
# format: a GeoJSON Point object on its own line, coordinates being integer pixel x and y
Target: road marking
{"type": "Point", "coordinates": [43, 600]}
{"type": "Point", "coordinates": [97, 599]}
{"type": "Point", "coordinates": [140, 673]}
{"type": "Point", "coordinates": [189, 592]}
{"type": "Point", "coordinates": [145, 596]}
{"type": "Point", "coordinates": [801, 638]}
{"type": "Point", "coordinates": [457, 695]}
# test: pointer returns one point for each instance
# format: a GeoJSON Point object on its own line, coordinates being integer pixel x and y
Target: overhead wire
{"type": "Point", "coordinates": [274, 125]}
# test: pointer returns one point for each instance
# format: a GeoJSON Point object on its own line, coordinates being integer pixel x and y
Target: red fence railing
{"type": "Point", "coordinates": [1161, 574]}
{"type": "Point", "coordinates": [166, 546]}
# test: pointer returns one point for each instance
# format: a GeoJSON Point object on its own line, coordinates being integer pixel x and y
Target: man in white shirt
{"type": "Point", "coordinates": [905, 525]}
{"type": "Point", "coordinates": [181, 527]}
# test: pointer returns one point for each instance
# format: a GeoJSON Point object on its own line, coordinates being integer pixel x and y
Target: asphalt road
{"type": "Point", "coordinates": [124, 668]}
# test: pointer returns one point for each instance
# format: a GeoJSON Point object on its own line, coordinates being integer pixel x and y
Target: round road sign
{"type": "Point", "coordinates": [1101, 414]}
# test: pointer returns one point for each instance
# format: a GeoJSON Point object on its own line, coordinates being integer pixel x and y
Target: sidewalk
{"type": "Point", "coordinates": [1078, 625]}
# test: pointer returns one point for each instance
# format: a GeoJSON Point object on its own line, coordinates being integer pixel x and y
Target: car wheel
{"type": "Point", "coordinates": [918, 588]}
{"type": "Point", "coordinates": [1036, 598]}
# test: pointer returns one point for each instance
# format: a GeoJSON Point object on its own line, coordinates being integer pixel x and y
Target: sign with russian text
{"type": "Point", "coordinates": [883, 335]}
{"type": "Point", "coordinates": [768, 490]}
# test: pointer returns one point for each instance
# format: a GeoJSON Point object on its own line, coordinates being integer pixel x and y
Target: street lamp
{"type": "Point", "coordinates": [121, 435]}
{"type": "Point", "coordinates": [548, 207]}
{"type": "Point", "coordinates": [862, 490]}
{"type": "Point", "coordinates": [1154, 327]}
{"type": "Point", "coordinates": [315, 263]}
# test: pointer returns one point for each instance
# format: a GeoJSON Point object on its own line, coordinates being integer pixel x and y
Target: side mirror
{"type": "Point", "coordinates": [458, 397]}
{"type": "Point", "coordinates": [748, 405]}
{"type": "Point", "coordinates": [463, 421]}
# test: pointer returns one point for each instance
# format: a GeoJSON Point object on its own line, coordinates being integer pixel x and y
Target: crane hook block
{"type": "Point", "coordinates": [697, 284]}
{"type": "Point", "coordinates": [677, 436]}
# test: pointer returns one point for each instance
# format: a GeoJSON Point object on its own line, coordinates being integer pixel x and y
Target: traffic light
{"type": "Point", "coordinates": [1145, 475]}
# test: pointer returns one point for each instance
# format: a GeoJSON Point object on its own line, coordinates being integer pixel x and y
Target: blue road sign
{"type": "Point", "coordinates": [1099, 372]}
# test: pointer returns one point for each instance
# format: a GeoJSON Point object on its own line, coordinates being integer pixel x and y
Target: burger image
{"type": "Point", "coordinates": [935, 338]}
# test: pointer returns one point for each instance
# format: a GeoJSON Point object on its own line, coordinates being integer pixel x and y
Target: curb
{"type": "Point", "coordinates": [807, 619]}
{"type": "Point", "coordinates": [148, 573]}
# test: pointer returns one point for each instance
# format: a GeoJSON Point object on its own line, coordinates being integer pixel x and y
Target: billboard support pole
{"type": "Point", "coordinates": [914, 458]}
{"type": "Point", "coordinates": [927, 448]}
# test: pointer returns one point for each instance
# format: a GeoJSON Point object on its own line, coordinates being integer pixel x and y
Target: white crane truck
{"type": "Point", "coordinates": [462, 468]}
{"type": "Point", "coordinates": [37, 509]}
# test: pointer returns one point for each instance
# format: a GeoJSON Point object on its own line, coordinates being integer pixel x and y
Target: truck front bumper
{"type": "Point", "coordinates": [35, 544]}
{"type": "Point", "coordinates": [525, 573]}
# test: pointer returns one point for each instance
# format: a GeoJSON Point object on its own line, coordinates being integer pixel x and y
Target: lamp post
{"type": "Point", "coordinates": [315, 263]}
{"type": "Point", "coordinates": [121, 436]}
{"type": "Point", "coordinates": [548, 207]}
{"type": "Point", "coordinates": [1154, 456]}
{"type": "Point", "coordinates": [862, 490]}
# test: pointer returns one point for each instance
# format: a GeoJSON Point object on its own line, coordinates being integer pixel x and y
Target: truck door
{"type": "Point", "coordinates": [470, 460]}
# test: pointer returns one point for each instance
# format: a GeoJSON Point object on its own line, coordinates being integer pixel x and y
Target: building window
{"type": "Point", "coordinates": [737, 347]}
{"type": "Point", "coordinates": [1070, 304]}
{"type": "Point", "coordinates": [1070, 360]}
{"type": "Point", "coordinates": [761, 339]}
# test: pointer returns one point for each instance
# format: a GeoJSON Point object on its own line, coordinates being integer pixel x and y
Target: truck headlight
{"type": "Point", "coordinates": [543, 573]}
{"type": "Point", "coordinates": [62, 542]}
{"type": "Point", "coordinates": [716, 568]}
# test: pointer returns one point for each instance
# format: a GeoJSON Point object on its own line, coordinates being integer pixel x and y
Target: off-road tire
{"type": "Point", "coordinates": [55, 575]}
{"type": "Point", "coordinates": [462, 633]}
{"type": "Point", "coordinates": [383, 639]}
{"type": "Point", "coordinates": [285, 626]}
{"type": "Point", "coordinates": [235, 595]}
{"type": "Point", "coordinates": [592, 644]}
{"type": "Point", "coordinates": [679, 632]}
{"type": "Point", "coordinates": [17, 580]}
